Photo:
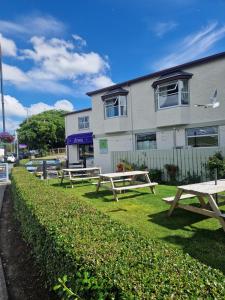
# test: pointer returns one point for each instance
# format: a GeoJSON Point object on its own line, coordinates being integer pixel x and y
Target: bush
{"type": "Point", "coordinates": [155, 175]}
{"type": "Point", "coordinates": [98, 258]}
{"type": "Point", "coordinates": [172, 171]}
{"type": "Point", "coordinates": [216, 162]}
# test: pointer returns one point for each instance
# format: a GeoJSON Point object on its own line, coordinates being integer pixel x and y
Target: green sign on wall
{"type": "Point", "coordinates": [103, 146]}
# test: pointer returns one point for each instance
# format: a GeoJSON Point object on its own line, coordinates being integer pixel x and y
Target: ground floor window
{"type": "Point", "coordinates": [202, 136]}
{"type": "Point", "coordinates": [85, 151]}
{"type": "Point", "coordinates": [145, 141]}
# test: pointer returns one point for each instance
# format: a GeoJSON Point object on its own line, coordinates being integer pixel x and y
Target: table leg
{"type": "Point", "coordinates": [152, 188]}
{"type": "Point", "coordinates": [175, 201]}
{"type": "Point", "coordinates": [217, 211]}
{"type": "Point", "coordinates": [202, 201]}
{"type": "Point", "coordinates": [62, 178]}
{"type": "Point", "coordinates": [99, 183]}
{"type": "Point", "coordinates": [114, 192]}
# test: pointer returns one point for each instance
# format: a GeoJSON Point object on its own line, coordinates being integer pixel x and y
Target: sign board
{"type": "Point", "coordinates": [103, 146]}
{"type": "Point", "coordinates": [22, 146]}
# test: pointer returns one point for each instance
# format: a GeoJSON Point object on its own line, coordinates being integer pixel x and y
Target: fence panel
{"type": "Point", "coordinates": [190, 162]}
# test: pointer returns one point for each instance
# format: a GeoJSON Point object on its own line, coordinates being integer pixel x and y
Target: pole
{"type": "Point", "coordinates": [2, 98]}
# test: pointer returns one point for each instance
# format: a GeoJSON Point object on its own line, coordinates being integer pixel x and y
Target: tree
{"type": "Point", "coordinates": [43, 131]}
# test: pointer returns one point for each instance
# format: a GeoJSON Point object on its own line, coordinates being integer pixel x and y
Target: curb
{"type": "Point", "coordinates": [3, 288]}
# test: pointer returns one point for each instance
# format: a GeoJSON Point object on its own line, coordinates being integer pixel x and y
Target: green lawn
{"type": "Point", "coordinates": [199, 236]}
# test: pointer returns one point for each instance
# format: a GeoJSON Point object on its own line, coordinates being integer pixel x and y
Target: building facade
{"type": "Point", "coordinates": [156, 111]}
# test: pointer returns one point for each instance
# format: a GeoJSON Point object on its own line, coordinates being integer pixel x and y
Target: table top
{"type": "Point", "coordinates": [208, 187]}
{"type": "Point", "coordinates": [123, 174]}
{"type": "Point", "coordinates": [81, 169]}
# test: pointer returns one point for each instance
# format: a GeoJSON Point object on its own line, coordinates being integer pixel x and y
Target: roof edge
{"type": "Point", "coordinates": [78, 111]}
{"type": "Point", "coordinates": [158, 73]}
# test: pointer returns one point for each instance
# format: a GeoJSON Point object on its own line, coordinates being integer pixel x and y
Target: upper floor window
{"type": "Point", "coordinates": [202, 136]}
{"type": "Point", "coordinates": [173, 93]}
{"type": "Point", "coordinates": [115, 107]}
{"type": "Point", "coordinates": [83, 122]}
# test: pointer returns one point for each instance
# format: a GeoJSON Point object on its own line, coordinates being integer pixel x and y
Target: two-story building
{"type": "Point", "coordinates": [156, 111]}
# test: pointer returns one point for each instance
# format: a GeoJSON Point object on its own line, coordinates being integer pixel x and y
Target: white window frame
{"type": "Point", "coordinates": [179, 93]}
{"type": "Point", "coordinates": [116, 98]}
{"type": "Point", "coordinates": [205, 135]}
{"type": "Point", "coordinates": [81, 120]}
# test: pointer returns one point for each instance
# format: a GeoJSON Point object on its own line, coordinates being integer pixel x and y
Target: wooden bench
{"type": "Point", "coordinates": [136, 186]}
{"type": "Point", "coordinates": [170, 200]}
{"type": "Point", "coordinates": [117, 180]}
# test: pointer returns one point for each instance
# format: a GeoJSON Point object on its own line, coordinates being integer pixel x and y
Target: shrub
{"type": "Point", "coordinates": [95, 257]}
{"type": "Point", "coordinates": [216, 162]}
{"type": "Point", "coordinates": [172, 171]}
{"type": "Point", "coordinates": [155, 175]}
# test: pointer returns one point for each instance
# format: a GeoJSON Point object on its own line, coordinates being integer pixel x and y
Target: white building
{"type": "Point", "coordinates": [156, 111]}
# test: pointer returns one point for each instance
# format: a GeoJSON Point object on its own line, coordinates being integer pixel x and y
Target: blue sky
{"type": "Point", "coordinates": [56, 51]}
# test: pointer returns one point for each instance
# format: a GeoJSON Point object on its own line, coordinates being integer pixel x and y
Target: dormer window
{"type": "Point", "coordinates": [172, 90]}
{"type": "Point", "coordinates": [115, 107]}
{"type": "Point", "coordinates": [115, 103]}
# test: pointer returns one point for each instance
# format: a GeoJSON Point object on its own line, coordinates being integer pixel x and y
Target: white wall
{"type": "Point", "coordinates": [71, 127]}
{"type": "Point", "coordinates": [115, 143]}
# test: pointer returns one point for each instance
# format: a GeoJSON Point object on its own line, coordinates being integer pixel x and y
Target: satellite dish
{"type": "Point", "coordinates": [213, 102]}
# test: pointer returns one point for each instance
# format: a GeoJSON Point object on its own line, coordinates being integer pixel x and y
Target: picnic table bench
{"type": "Point", "coordinates": [112, 178]}
{"type": "Point", "coordinates": [207, 195]}
{"type": "Point", "coordinates": [80, 174]}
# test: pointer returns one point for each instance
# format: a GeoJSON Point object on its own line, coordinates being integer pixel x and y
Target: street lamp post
{"type": "Point", "coordinates": [2, 93]}
{"type": "Point", "coordinates": [2, 97]}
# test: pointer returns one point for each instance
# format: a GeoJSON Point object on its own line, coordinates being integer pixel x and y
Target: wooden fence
{"type": "Point", "coordinates": [190, 162]}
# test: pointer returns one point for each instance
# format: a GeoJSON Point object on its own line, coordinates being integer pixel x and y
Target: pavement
{"type": "Point", "coordinates": [3, 289]}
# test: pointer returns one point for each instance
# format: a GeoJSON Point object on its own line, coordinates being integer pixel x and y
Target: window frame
{"type": "Point", "coordinates": [144, 133]}
{"type": "Point", "coordinates": [115, 98]}
{"type": "Point", "coordinates": [203, 135]}
{"type": "Point", "coordinates": [83, 122]}
{"type": "Point", "coordinates": [179, 93]}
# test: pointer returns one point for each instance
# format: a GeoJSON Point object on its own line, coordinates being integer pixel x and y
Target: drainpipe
{"type": "Point", "coordinates": [132, 123]}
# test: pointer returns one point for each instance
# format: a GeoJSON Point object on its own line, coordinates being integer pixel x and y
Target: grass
{"type": "Point", "coordinates": [199, 236]}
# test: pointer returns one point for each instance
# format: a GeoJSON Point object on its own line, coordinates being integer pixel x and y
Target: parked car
{"type": "Point", "coordinates": [36, 165]}
{"type": "Point", "coordinates": [11, 158]}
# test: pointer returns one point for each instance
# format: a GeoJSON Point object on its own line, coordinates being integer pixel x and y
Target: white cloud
{"type": "Point", "coordinates": [81, 42]}
{"type": "Point", "coordinates": [161, 28]}
{"type": "Point", "coordinates": [13, 107]}
{"type": "Point", "coordinates": [53, 65]}
{"type": "Point", "coordinates": [31, 25]}
{"type": "Point", "coordinates": [8, 46]}
{"type": "Point", "coordinates": [193, 46]}
{"type": "Point", "coordinates": [14, 74]}
{"type": "Point", "coordinates": [57, 59]}
{"type": "Point", "coordinates": [101, 82]}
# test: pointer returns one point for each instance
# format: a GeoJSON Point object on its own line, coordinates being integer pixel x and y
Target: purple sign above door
{"type": "Point", "coordinates": [81, 139]}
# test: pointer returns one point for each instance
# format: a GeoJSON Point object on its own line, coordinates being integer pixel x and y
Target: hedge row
{"type": "Point", "coordinates": [102, 258]}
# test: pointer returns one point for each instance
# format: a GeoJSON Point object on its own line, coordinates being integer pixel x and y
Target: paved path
{"type": "Point", "coordinates": [3, 289]}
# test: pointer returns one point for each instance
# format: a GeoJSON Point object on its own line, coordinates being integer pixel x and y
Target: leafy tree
{"type": "Point", "coordinates": [43, 131]}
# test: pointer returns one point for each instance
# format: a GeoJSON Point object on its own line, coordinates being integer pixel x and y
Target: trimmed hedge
{"type": "Point", "coordinates": [102, 258]}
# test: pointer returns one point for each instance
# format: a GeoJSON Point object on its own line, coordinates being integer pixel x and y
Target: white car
{"type": "Point", "coordinates": [11, 158]}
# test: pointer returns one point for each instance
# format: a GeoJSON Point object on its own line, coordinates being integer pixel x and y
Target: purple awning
{"type": "Point", "coordinates": [81, 138]}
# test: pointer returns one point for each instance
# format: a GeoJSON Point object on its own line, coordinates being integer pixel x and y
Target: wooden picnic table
{"type": "Point", "coordinates": [130, 176]}
{"type": "Point", "coordinates": [207, 194]}
{"type": "Point", "coordinates": [79, 174]}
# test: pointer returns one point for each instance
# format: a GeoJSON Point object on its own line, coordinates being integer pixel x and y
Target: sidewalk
{"type": "Point", "coordinates": [3, 289]}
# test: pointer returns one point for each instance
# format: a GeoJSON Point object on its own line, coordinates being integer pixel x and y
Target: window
{"type": "Point", "coordinates": [173, 93]}
{"type": "Point", "coordinates": [146, 141]}
{"type": "Point", "coordinates": [85, 151]}
{"type": "Point", "coordinates": [83, 122]}
{"type": "Point", "coordinates": [115, 107]}
{"type": "Point", "coordinates": [202, 136]}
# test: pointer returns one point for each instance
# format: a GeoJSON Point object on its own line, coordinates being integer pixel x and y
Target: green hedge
{"type": "Point", "coordinates": [102, 258]}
